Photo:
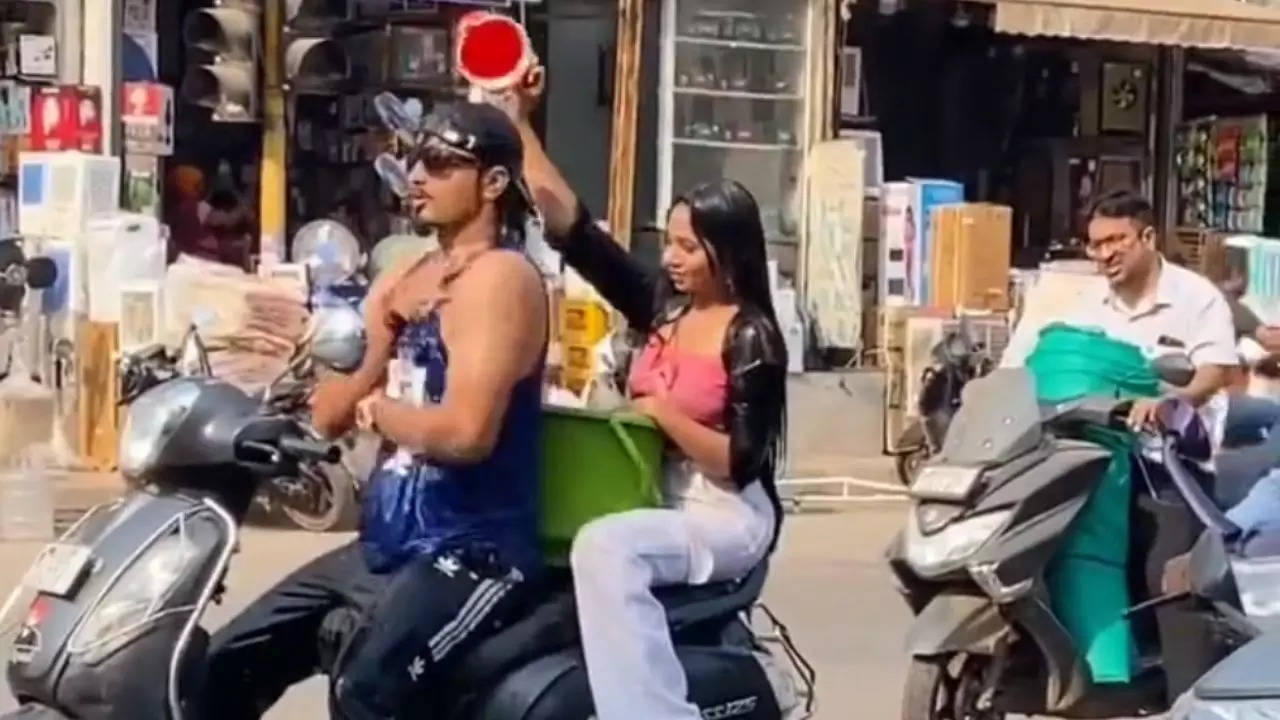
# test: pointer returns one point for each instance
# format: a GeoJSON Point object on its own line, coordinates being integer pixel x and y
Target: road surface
{"type": "Point", "coordinates": [827, 583]}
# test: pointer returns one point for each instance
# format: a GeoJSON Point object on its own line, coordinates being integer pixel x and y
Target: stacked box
{"type": "Point", "coordinates": [971, 249]}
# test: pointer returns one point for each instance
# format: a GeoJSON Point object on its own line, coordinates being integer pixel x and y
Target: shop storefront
{"type": "Point", "coordinates": [122, 153]}
{"type": "Point", "coordinates": [734, 102]}
{"type": "Point", "coordinates": [1026, 110]}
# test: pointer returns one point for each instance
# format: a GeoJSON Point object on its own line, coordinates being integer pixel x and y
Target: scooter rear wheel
{"type": "Point", "coordinates": [945, 688]}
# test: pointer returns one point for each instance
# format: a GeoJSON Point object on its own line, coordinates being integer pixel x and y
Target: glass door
{"type": "Point", "coordinates": [733, 103]}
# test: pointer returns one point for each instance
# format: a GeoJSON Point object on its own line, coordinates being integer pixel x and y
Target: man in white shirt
{"type": "Point", "coordinates": [1158, 306]}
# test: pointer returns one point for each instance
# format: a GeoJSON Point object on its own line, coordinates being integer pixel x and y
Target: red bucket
{"type": "Point", "coordinates": [492, 51]}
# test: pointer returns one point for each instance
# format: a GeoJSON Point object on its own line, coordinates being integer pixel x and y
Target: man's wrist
{"type": "Point", "coordinates": [1194, 399]}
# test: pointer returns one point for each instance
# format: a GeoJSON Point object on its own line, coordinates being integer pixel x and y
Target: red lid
{"type": "Point", "coordinates": [493, 50]}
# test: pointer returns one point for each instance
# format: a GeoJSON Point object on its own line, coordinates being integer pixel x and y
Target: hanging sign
{"type": "Point", "coordinates": [147, 112]}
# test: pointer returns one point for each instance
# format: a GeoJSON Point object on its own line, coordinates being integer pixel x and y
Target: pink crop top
{"type": "Point", "coordinates": [696, 384]}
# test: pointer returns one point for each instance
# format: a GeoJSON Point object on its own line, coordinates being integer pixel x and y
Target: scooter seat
{"type": "Point", "coordinates": [689, 605]}
{"type": "Point", "coordinates": [553, 625]}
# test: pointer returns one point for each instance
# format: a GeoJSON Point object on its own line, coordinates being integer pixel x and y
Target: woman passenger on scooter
{"type": "Point", "coordinates": [712, 376]}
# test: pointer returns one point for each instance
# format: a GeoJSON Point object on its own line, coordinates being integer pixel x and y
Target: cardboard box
{"type": "Point", "coordinates": [37, 55]}
{"type": "Point", "coordinates": [60, 192]}
{"type": "Point", "coordinates": [1204, 251]}
{"type": "Point", "coordinates": [905, 225]}
{"type": "Point", "coordinates": [147, 114]}
{"type": "Point", "coordinates": [926, 196]}
{"type": "Point", "coordinates": [97, 403]}
{"type": "Point", "coordinates": [582, 322]}
{"type": "Point", "coordinates": [970, 262]}
{"type": "Point", "coordinates": [67, 117]}
{"type": "Point", "coordinates": [895, 281]}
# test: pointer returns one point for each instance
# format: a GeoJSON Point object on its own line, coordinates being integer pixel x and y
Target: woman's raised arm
{"type": "Point", "coordinates": [586, 247]}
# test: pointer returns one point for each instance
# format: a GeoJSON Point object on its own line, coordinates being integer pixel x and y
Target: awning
{"type": "Point", "coordinates": [1192, 23]}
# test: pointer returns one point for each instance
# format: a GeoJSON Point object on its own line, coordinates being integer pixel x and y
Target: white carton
{"type": "Point", "coordinates": [897, 234]}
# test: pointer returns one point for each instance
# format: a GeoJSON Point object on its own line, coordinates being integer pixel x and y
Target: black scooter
{"type": "Point", "coordinates": [988, 516]}
{"type": "Point", "coordinates": [957, 360]}
{"type": "Point", "coordinates": [109, 616]}
{"type": "Point", "coordinates": [319, 496]}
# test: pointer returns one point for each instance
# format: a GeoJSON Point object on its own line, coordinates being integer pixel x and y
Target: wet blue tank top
{"type": "Point", "coordinates": [417, 506]}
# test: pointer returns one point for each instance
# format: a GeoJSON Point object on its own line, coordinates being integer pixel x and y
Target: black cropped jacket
{"type": "Point", "coordinates": [754, 354]}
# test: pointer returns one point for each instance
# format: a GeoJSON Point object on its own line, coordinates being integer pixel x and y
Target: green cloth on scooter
{"type": "Point", "coordinates": [1088, 579]}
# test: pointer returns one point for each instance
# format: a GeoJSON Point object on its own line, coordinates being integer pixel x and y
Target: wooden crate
{"type": "Point", "coordinates": [971, 245]}
{"type": "Point", "coordinates": [895, 412]}
{"type": "Point", "coordinates": [1204, 251]}
{"type": "Point", "coordinates": [97, 437]}
{"type": "Point", "coordinates": [893, 324]}
{"type": "Point", "coordinates": [910, 333]}
{"type": "Point", "coordinates": [892, 339]}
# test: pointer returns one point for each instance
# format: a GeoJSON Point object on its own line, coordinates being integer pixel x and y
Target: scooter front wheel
{"type": "Point", "coordinates": [948, 687]}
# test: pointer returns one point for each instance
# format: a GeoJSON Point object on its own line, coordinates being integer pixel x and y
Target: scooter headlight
{"type": "Point", "coordinates": [151, 419]}
{"type": "Point", "coordinates": [137, 596]}
{"type": "Point", "coordinates": [952, 545]}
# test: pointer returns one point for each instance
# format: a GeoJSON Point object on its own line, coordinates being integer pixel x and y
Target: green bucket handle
{"type": "Point", "coordinates": [642, 467]}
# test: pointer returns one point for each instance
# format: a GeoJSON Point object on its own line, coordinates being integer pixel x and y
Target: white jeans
{"type": "Point", "coordinates": [709, 534]}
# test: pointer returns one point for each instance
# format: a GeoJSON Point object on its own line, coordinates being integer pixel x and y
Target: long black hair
{"type": "Point", "coordinates": [726, 220]}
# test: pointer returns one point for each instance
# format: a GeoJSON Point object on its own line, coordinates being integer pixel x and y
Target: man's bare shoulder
{"type": "Point", "coordinates": [393, 273]}
{"type": "Point", "coordinates": [501, 274]}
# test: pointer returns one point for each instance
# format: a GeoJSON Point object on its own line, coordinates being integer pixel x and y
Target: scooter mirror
{"type": "Point", "coordinates": [957, 345]}
{"type": "Point", "coordinates": [1175, 369]}
{"type": "Point", "coordinates": [393, 173]}
{"type": "Point", "coordinates": [339, 341]}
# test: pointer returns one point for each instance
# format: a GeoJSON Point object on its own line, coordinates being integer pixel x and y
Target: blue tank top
{"type": "Point", "coordinates": [417, 506]}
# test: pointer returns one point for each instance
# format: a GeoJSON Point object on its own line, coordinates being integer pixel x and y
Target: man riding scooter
{"type": "Point", "coordinates": [451, 380]}
{"type": "Point", "coordinates": [1162, 309]}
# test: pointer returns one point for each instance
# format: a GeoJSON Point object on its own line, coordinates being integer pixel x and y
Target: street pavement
{"type": "Point", "coordinates": [828, 583]}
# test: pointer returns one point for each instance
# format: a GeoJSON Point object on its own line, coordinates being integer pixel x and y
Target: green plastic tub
{"type": "Point", "coordinates": [594, 464]}
{"type": "Point", "coordinates": [1088, 578]}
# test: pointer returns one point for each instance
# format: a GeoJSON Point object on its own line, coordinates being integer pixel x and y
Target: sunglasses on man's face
{"type": "Point", "coordinates": [437, 156]}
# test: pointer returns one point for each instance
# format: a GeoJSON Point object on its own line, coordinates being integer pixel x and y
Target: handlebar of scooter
{"type": "Point", "coordinates": [308, 449]}
{"type": "Point", "coordinates": [276, 450]}
{"type": "Point", "coordinates": [1110, 412]}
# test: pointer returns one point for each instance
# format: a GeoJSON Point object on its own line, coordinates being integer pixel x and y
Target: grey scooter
{"type": "Point", "coordinates": [989, 514]}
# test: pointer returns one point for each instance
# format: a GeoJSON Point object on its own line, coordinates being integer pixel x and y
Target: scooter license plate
{"type": "Point", "coordinates": [57, 568]}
